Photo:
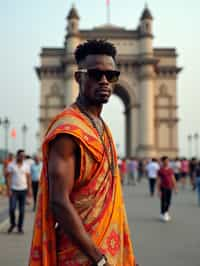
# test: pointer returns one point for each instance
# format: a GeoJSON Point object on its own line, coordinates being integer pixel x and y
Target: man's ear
{"type": "Point", "coordinates": [77, 77]}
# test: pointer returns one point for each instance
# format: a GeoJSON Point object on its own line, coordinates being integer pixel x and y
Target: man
{"type": "Point", "coordinates": [29, 161]}
{"type": "Point", "coordinates": [184, 171]}
{"type": "Point", "coordinates": [192, 171]}
{"type": "Point", "coordinates": [140, 170]}
{"type": "Point", "coordinates": [132, 171]}
{"type": "Point", "coordinates": [18, 184]}
{"type": "Point", "coordinates": [123, 170]}
{"type": "Point", "coordinates": [80, 217]}
{"type": "Point", "coordinates": [176, 166]}
{"type": "Point", "coordinates": [152, 173]}
{"type": "Point", "coordinates": [166, 182]}
{"type": "Point", "coordinates": [35, 176]}
{"type": "Point", "coordinates": [197, 177]}
{"type": "Point", "coordinates": [6, 162]}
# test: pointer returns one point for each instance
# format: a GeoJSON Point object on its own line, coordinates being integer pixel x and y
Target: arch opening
{"type": "Point", "coordinates": [118, 115]}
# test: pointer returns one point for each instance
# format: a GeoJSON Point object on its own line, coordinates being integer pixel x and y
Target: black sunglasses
{"type": "Point", "coordinates": [97, 74]}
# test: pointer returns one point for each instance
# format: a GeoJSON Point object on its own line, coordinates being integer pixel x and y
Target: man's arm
{"type": "Point", "coordinates": [158, 182]}
{"type": "Point", "coordinates": [174, 183]}
{"type": "Point", "coordinates": [8, 184]}
{"type": "Point", "coordinates": [28, 178]}
{"type": "Point", "coordinates": [62, 161]}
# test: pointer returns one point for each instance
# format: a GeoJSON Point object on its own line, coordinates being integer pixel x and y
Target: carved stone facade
{"type": "Point", "coordinates": [147, 84]}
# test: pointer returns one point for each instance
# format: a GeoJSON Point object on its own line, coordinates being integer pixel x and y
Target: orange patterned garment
{"type": "Point", "coordinates": [97, 197]}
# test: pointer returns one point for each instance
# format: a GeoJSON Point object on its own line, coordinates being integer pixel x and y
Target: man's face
{"type": "Point", "coordinates": [21, 156]}
{"type": "Point", "coordinates": [97, 92]}
{"type": "Point", "coordinates": [166, 162]}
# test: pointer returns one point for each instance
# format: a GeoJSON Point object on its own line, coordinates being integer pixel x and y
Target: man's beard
{"type": "Point", "coordinates": [95, 101]}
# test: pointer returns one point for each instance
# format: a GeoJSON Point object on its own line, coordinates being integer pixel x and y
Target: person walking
{"type": "Point", "coordinates": [197, 177]}
{"type": "Point", "coordinates": [166, 182]}
{"type": "Point", "coordinates": [184, 171]}
{"type": "Point", "coordinates": [35, 176]}
{"type": "Point", "coordinates": [141, 169]}
{"type": "Point", "coordinates": [152, 169]}
{"type": "Point", "coordinates": [123, 170]}
{"type": "Point", "coordinates": [18, 185]}
{"type": "Point", "coordinates": [192, 172]}
{"type": "Point", "coordinates": [176, 167]}
{"type": "Point", "coordinates": [80, 208]}
{"type": "Point", "coordinates": [132, 171]}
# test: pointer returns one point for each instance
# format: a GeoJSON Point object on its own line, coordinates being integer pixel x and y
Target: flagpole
{"type": "Point", "coordinates": [108, 11]}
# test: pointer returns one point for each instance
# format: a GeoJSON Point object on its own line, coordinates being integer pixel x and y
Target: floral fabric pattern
{"type": "Point", "coordinates": [96, 196]}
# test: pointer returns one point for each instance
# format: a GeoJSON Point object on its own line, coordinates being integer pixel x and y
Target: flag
{"type": "Point", "coordinates": [13, 133]}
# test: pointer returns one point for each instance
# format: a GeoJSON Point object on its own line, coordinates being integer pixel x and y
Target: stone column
{"type": "Point", "coordinates": [146, 146]}
{"type": "Point", "coordinates": [134, 129]}
{"type": "Point", "coordinates": [131, 130]}
{"type": "Point", "coordinates": [71, 86]}
{"type": "Point", "coordinates": [128, 132]}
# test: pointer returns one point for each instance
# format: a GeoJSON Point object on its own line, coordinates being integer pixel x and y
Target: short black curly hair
{"type": "Point", "coordinates": [91, 47]}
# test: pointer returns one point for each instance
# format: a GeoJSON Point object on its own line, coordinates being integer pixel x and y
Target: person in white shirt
{"type": "Point", "coordinates": [152, 169]}
{"type": "Point", "coordinates": [176, 166]}
{"type": "Point", "coordinates": [18, 185]}
{"type": "Point", "coordinates": [36, 168]}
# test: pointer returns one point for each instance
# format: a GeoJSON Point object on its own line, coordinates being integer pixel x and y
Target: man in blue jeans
{"type": "Point", "coordinates": [197, 175]}
{"type": "Point", "coordinates": [166, 182]}
{"type": "Point", "coordinates": [18, 184]}
{"type": "Point", "coordinates": [36, 168]}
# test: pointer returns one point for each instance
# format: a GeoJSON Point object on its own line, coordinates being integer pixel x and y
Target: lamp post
{"type": "Point", "coordinates": [6, 124]}
{"type": "Point", "coordinates": [196, 138]}
{"type": "Point", "coordinates": [37, 135]}
{"type": "Point", "coordinates": [24, 131]}
{"type": "Point", "coordinates": [189, 145]}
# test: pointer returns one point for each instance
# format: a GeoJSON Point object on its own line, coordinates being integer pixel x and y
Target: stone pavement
{"type": "Point", "coordinates": [176, 243]}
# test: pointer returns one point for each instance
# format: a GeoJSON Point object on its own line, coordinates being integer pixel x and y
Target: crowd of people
{"type": "Point", "coordinates": [164, 174]}
{"type": "Point", "coordinates": [21, 173]}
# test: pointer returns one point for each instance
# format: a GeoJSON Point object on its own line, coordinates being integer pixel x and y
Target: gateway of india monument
{"type": "Point", "coordinates": [147, 85]}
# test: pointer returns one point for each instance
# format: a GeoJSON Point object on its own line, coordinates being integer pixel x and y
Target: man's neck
{"type": "Point", "coordinates": [19, 162]}
{"type": "Point", "coordinates": [92, 109]}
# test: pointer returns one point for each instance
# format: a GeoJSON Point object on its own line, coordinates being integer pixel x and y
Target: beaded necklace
{"type": "Point", "coordinates": [92, 121]}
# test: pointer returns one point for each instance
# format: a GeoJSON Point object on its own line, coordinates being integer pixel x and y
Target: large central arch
{"type": "Point", "coordinates": [128, 97]}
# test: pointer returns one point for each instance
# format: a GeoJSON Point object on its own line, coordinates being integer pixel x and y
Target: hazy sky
{"type": "Point", "coordinates": [26, 26]}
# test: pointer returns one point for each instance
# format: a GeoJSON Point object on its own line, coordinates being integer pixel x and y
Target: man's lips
{"type": "Point", "coordinates": [103, 91]}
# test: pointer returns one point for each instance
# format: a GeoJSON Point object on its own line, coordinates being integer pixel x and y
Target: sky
{"type": "Point", "coordinates": [27, 26]}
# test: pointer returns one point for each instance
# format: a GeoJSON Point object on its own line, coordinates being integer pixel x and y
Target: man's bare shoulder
{"type": "Point", "coordinates": [63, 145]}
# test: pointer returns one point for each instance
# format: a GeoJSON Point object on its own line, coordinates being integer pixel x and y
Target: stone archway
{"type": "Point", "coordinates": [128, 97]}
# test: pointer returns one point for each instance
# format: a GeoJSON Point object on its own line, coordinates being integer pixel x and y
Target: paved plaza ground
{"type": "Point", "coordinates": [176, 243]}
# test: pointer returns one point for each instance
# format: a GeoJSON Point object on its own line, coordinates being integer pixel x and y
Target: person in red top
{"type": "Point", "coordinates": [166, 182]}
{"type": "Point", "coordinates": [123, 170]}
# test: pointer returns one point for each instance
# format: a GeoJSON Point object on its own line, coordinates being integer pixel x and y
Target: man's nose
{"type": "Point", "coordinates": [103, 79]}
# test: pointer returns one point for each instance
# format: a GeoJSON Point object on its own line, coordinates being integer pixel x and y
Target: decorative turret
{"type": "Point", "coordinates": [73, 21]}
{"type": "Point", "coordinates": [72, 40]}
{"type": "Point", "coordinates": [145, 33]}
{"type": "Point", "coordinates": [147, 86]}
{"type": "Point", "coordinates": [146, 22]}
{"type": "Point", "coordinates": [72, 37]}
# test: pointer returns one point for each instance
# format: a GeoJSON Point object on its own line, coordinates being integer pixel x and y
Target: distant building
{"type": "Point", "coordinates": [2, 155]}
{"type": "Point", "coordinates": [147, 85]}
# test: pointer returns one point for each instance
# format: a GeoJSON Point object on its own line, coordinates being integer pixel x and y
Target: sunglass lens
{"type": "Point", "coordinates": [95, 74]}
{"type": "Point", "coordinates": [112, 76]}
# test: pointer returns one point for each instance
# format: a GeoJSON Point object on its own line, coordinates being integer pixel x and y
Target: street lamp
{"type": "Point", "coordinates": [189, 145]}
{"type": "Point", "coordinates": [37, 135]}
{"type": "Point", "coordinates": [6, 124]}
{"type": "Point", "coordinates": [196, 138]}
{"type": "Point", "coordinates": [24, 131]}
